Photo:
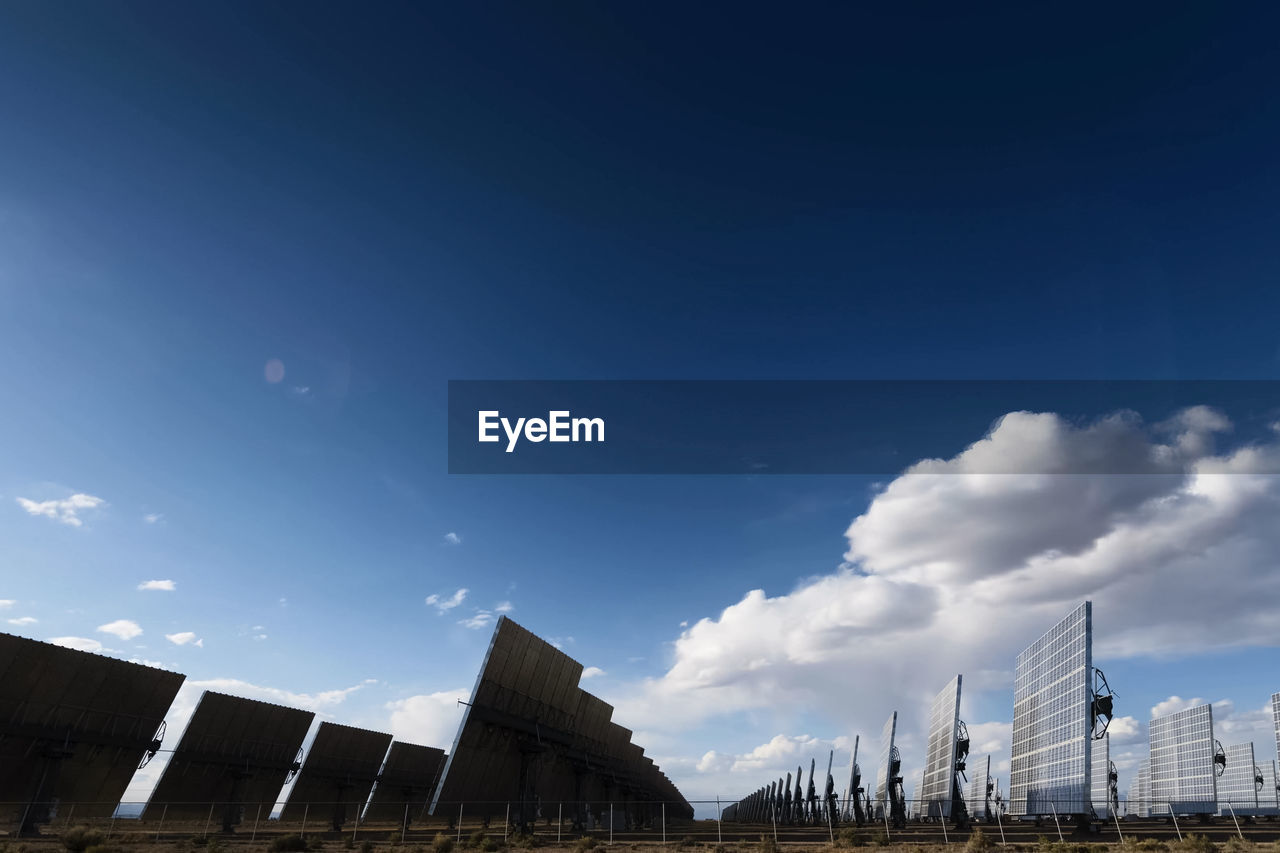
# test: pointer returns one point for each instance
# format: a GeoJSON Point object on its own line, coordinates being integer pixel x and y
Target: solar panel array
{"type": "Point", "coordinates": [1182, 771]}
{"type": "Point", "coordinates": [531, 735]}
{"type": "Point", "coordinates": [882, 766]}
{"type": "Point", "coordinates": [1269, 796]}
{"type": "Point", "coordinates": [1049, 768]}
{"type": "Point", "coordinates": [74, 726]}
{"type": "Point", "coordinates": [404, 787]}
{"type": "Point", "coordinates": [1275, 719]}
{"type": "Point", "coordinates": [1237, 787]}
{"type": "Point", "coordinates": [939, 768]}
{"type": "Point", "coordinates": [337, 774]}
{"type": "Point", "coordinates": [1100, 776]}
{"type": "Point", "coordinates": [234, 751]}
{"type": "Point", "coordinates": [977, 796]}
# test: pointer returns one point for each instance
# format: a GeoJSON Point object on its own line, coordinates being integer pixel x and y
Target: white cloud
{"type": "Point", "coordinates": [259, 637]}
{"type": "Point", "coordinates": [80, 644]}
{"type": "Point", "coordinates": [152, 517]}
{"type": "Point", "coordinates": [481, 619]}
{"type": "Point", "coordinates": [959, 561]}
{"type": "Point", "coordinates": [125, 629]}
{"type": "Point", "coordinates": [446, 604]}
{"type": "Point", "coordinates": [6, 603]}
{"type": "Point", "coordinates": [503, 607]}
{"type": "Point", "coordinates": [23, 621]}
{"type": "Point", "coordinates": [430, 719]}
{"type": "Point", "coordinates": [183, 638]}
{"type": "Point", "coordinates": [592, 672]}
{"type": "Point", "coordinates": [165, 585]}
{"type": "Point", "coordinates": [453, 538]}
{"type": "Point", "coordinates": [66, 511]}
{"type": "Point", "coordinates": [1173, 705]}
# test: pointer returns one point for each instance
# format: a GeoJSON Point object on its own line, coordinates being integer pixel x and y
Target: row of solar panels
{"type": "Point", "coordinates": [75, 727]}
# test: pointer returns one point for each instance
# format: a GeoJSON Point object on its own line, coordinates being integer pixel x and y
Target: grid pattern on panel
{"type": "Point", "coordinates": [1275, 719]}
{"type": "Point", "coordinates": [1269, 797]}
{"type": "Point", "coordinates": [1237, 786]}
{"type": "Point", "coordinates": [882, 767]}
{"type": "Point", "coordinates": [939, 768]}
{"type": "Point", "coordinates": [1139, 802]}
{"type": "Point", "coordinates": [977, 795]}
{"type": "Point", "coordinates": [1049, 767]}
{"type": "Point", "coordinates": [1100, 757]}
{"type": "Point", "coordinates": [1182, 773]}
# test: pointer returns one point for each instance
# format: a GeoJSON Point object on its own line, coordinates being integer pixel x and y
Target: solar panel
{"type": "Point", "coordinates": [74, 727]}
{"type": "Point", "coordinates": [882, 767]}
{"type": "Point", "coordinates": [1275, 719]}
{"type": "Point", "coordinates": [855, 780]}
{"type": "Point", "coordinates": [405, 784]}
{"type": "Point", "coordinates": [1139, 804]}
{"type": "Point", "coordinates": [532, 736]}
{"type": "Point", "coordinates": [1100, 776]}
{"type": "Point", "coordinates": [337, 775]}
{"type": "Point", "coordinates": [978, 788]}
{"type": "Point", "coordinates": [939, 770]}
{"type": "Point", "coordinates": [1049, 768]}
{"type": "Point", "coordinates": [235, 754]}
{"type": "Point", "coordinates": [1238, 785]}
{"type": "Point", "coordinates": [1269, 796]}
{"type": "Point", "coordinates": [1183, 778]}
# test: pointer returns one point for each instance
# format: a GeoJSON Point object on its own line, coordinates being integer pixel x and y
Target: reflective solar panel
{"type": "Point", "coordinates": [1275, 719]}
{"type": "Point", "coordinates": [236, 754]}
{"type": "Point", "coordinates": [337, 775]}
{"type": "Point", "coordinates": [1182, 771]}
{"type": "Point", "coordinates": [977, 796]}
{"type": "Point", "coordinates": [73, 727]}
{"type": "Point", "coordinates": [939, 769]}
{"type": "Point", "coordinates": [1237, 787]}
{"type": "Point", "coordinates": [882, 767]}
{"type": "Point", "coordinates": [1049, 767]}
{"type": "Point", "coordinates": [405, 784]}
{"type": "Point", "coordinates": [1269, 796]}
{"type": "Point", "coordinates": [850, 789]}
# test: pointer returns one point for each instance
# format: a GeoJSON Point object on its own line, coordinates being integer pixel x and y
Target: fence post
{"type": "Point", "coordinates": [831, 831]}
{"type": "Point", "coordinates": [943, 820]}
{"type": "Point", "coordinates": [209, 819]}
{"type": "Point", "coordinates": [70, 812]}
{"type": "Point", "coordinates": [110, 829]}
{"type": "Point", "coordinates": [356, 826]}
{"type": "Point", "coordinates": [1055, 820]}
{"type": "Point", "coordinates": [1233, 817]}
{"type": "Point", "coordinates": [664, 821]}
{"type": "Point", "coordinates": [460, 805]}
{"type": "Point", "coordinates": [559, 820]}
{"type": "Point", "coordinates": [719, 840]}
{"type": "Point", "coordinates": [254, 836]}
{"type": "Point", "coordinates": [306, 808]}
{"type": "Point", "coordinates": [404, 827]}
{"type": "Point", "coordinates": [1000, 824]}
{"type": "Point", "coordinates": [610, 823]}
{"type": "Point", "coordinates": [506, 825]}
{"type": "Point", "coordinates": [1117, 819]}
{"type": "Point", "coordinates": [163, 812]}
{"type": "Point", "coordinates": [884, 809]}
{"type": "Point", "coordinates": [1175, 821]}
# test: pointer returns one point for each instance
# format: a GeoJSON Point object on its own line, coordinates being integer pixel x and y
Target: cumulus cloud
{"type": "Point", "coordinates": [6, 603]}
{"type": "Point", "coordinates": [152, 517]}
{"type": "Point", "coordinates": [592, 672]}
{"type": "Point", "coordinates": [23, 621]}
{"type": "Point", "coordinates": [183, 638]}
{"type": "Point", "coordinates": [958, 563]}
{"type": "Point", "coordinates": [480, 619]}
{"type": "Point", "coordinates": [66, 511]}
{"type": "Point", "coordinates": [503, 607]}
{"type": "Point", "coordinates": [164, 585]}
{"type": "Point", "coordinates": [453, 538]}
{"type": "Point", "coordinates": [430, 719]}
{"type": "Point", "coordinates": [125, 629]}
{"type": "Point", "coordinates": [80, 644]}
{"type": "Point", "coordinates": [445, 604]}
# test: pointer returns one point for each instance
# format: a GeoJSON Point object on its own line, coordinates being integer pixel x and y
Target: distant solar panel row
{"type": "Point", "coordinates": [1183, 779]}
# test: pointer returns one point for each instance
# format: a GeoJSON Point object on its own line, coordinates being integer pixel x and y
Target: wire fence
{"type": "Point", "coordinates": [714, 820]}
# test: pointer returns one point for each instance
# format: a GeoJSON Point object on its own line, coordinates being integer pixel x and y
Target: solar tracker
{"type": "Point", "coordinates": [1275, 719]}
{"type": "Point", "coordinates": [978, 781]}
{"type": "Point", "coordinates": [74, 727]}
{"type": "Point", "coordinates": [1269, 796]}
{"type": "Point", "coordinates": [1238, 785]}
{"type": "Point", "coordinates": [935, 791]}
{"type": "Point", "coordinates": [1139, 804]}
{"type": "Point", "coordinates": [531, 735]}
{"type": "Point", "coordinates": [235, 753]}
{"type": "Point", "coordinates": [1049, 768]}
{"type": "Point", "coordinates": [337, 775]}
{"type": "Point", "coordinates": [882, 766]}
{"type": "Point", "coordinates": [1100, 776]}
{"type": "Point", "coordinates": [1183, 778]}
{"type": "Point", "coordinates": [405, 784]}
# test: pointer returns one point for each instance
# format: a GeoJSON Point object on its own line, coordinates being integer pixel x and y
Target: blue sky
{"type": "Point", "coordinates": [385, 200]}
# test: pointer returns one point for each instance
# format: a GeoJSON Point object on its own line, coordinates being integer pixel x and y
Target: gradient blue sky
{"type": "Point", "coordinates": [386, 198]}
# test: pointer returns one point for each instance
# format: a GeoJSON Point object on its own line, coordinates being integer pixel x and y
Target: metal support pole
{"type": "Point", "coordinates": [1117, 820]}
{"type": "Point", "coordinates": [559, 820]}
{"type": "Point", "coordinates": [355, 826]}
{"type": "Point", "coordinates": [70, 812]}
{"type": "Point", "coordinates": [943, 821]}
{"type": "Point", "coordinates": [664, 822]}
{"type": "Point", "coordinates": [110, 829]}
{"type": "Point", "coordinates": [830, 829]}
{"type": "Point", "coordinates": [506, 824]}
{"type": "Point", "coordinates": [254, 835]}
{"type": "Point", "coordinates": [885, 811]}
{"type": "Point", "coordinates": [404, 827]}
{"type": "Point", "coordinates": [306, 807]}
{"type": "Point", "coordinates": [1233, 817]}
{"type": "Point", "coordinates": [1000, 824]}
{"type": "Point", "coordinates": [504, 830]}
{"type": "Point", "coordinates": [719, 840]}
{"type": "Point", "coordinates": [774, 814]}
{"type": "Point", "coordinates": [1175, 821]}
{"type": "Point", "coordinates": [209, 819]}
{"type": "Point", "coordinates": [1055, 820]}
{"type": "Point", "coordinates": [610, 823]}
{"type": "Point", "coordinates": [163, 812]}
